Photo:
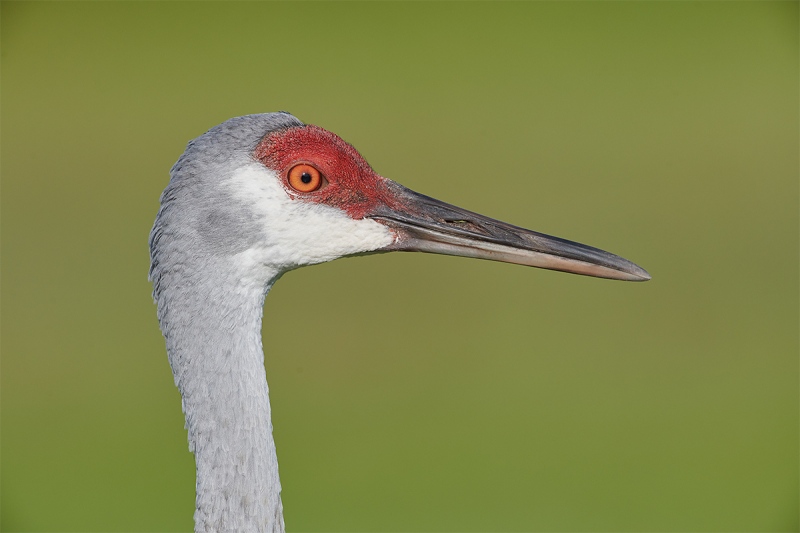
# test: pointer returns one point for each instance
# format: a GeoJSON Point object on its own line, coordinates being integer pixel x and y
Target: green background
{"type": "Point", "coordinates": [414, 392]}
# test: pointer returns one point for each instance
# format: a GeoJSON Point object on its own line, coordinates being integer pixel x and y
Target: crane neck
{"type": "Point", "coordinates": [212, 324]}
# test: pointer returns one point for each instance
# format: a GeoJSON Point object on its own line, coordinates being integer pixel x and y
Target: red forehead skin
{"type": "Point", "coordinates": [352, 184]}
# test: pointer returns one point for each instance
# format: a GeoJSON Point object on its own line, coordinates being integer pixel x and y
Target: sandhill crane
{"type": "Point", "coordinates": [250, 199]}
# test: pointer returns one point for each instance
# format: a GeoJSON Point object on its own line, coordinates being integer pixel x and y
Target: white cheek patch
{"type": "Point", "coordinates": [297, 233]}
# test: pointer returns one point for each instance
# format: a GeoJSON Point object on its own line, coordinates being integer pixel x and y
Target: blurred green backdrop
{"type": "Point", "coordinates": [440, 394]}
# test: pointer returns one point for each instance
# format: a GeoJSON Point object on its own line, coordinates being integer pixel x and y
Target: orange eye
{"type": "Point", "coordinates": [305, 178]}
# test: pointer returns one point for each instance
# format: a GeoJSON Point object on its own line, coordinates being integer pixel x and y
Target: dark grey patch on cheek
{"type": "Point", "coordinates": [227, 231]}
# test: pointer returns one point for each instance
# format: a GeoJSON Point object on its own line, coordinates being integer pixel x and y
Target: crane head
{"type": "Point", "coordinates": [282, 194]}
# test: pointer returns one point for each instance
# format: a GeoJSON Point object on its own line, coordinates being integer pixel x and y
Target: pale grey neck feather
{"type": "Point", "coordinates": [213, 333]}
{"type": "Point", "coordinates": [212, 329]}
{"type": "Point", "coordinates": [210, 313]}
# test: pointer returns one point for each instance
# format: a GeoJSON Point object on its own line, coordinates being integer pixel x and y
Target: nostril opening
{"type": "Point", "coordinates": [467, 225]}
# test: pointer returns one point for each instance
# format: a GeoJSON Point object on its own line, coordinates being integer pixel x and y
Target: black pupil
{"type": "Point", "coordinates": [305, 177]}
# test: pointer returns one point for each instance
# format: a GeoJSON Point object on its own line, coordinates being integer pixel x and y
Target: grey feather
{"type": "Point", "coordinates": [211, 320]}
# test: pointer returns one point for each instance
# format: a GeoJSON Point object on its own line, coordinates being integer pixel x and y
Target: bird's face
{"type": "Point", "coordinates": [318, 199]}
{"type": "Point", "coordinates": [311, 194]}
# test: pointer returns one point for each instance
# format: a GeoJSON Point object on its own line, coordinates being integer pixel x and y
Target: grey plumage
{"type": "Point", "coordinates": [211, 320]}
{"type": "Point", "coordinates": [194, 209]}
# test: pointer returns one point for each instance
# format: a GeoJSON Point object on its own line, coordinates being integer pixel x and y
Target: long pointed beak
{"type": "Point", "coordinates": [424, 224]}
